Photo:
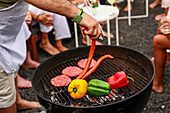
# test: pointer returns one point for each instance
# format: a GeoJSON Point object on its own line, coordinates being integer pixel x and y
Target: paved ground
{"type": "Point", "coordinates": [139, 37]}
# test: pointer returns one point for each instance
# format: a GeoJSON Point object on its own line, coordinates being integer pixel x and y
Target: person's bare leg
{"type": "Point", "coordinates": [11, 109]}
{"type": "Point", "coordinates": [60, 46]}
{"type": "Point", "coordinates": [167, 60]}
{"type": "Point", "coordinates": [24, 104]}
{"type": "Point", "coordinates": [23, 83]}
{"type": "Point", "coordinates": [29, 63]}
{"type": "Point", "coordinates": [155, 3]}
{"type": "Point", "coordinates": [157, 17]}
{"type": "Point", "coordinates": [47, 46]}
{"type": "Point", "coordinates": [126, 8]}
{"type": "Point", "coordinates": [160, 43]}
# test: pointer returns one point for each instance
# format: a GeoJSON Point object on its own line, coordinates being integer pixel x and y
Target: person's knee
{"type": "Point", "coordinates": [156, 40]}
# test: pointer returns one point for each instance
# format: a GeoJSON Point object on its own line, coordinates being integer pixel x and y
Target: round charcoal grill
{"type": "Point", "coordinates": [130, 99]}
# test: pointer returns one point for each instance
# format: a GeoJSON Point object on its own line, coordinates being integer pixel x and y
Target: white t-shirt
{"type": "Point", "coordinates": [12, 36]}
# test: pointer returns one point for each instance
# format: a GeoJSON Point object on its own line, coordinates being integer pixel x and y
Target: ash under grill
{"type": "Point", "coordinates": [108, 67]}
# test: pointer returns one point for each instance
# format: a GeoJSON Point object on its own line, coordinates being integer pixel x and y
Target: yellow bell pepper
{"type": "Point", "coordinates": [78, 88]}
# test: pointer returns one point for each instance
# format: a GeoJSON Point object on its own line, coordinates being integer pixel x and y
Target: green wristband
{"type": "Point", "coordinates": [78, 18]}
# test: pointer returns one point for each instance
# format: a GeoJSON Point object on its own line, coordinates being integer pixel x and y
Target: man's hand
{"type": "Point", "coordinates": [28, 18]}
{"type": "Point", "coordinates": [92, 26]}
{"type": "Point", "coordinates": [46, 19]}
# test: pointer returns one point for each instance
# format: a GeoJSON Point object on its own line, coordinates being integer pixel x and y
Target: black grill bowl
{"type": "Point", "coordinates": [134, 63]}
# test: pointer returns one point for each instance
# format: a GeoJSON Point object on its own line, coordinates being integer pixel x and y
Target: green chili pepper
{"type": "Point", "coordinates": [98, 87]}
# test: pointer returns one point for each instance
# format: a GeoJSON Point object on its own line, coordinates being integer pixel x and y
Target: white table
{"type": "Point", "coordinates": [102, 13]}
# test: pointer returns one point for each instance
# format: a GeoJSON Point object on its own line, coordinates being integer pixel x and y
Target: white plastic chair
{"type": "Point", "coordinates": [129, 17]}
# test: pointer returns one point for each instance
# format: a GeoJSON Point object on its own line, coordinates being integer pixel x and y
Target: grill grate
{"type": "Point", "coordinates": [107, 68]}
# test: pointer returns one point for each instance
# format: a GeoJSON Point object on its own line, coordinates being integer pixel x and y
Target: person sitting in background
{"type": "Point", "coordinates": [126, 8]}
{"type": "Point", "coordinates": [47, 22]}
{"type": "Point", "coordinates": [155, 3]}
{"type": "Point", "coordinates": [164, 4]}
{"type": "Point", "coordinates": [161, 42]}
{"type": "Point", "coordinates": [28, 63]}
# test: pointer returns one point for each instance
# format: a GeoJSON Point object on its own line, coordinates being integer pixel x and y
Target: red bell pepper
{"type": "Point", "coordinates": [118, 80]}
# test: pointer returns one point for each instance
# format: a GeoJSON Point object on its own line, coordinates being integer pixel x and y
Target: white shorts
{"type": "Point", "coordinates": [60, 24]}
{"type": "Point", "coordinates": [61, 28]}
{"type": "Point", "coordinates": [165, 3]}
{"type": "Point", "coordinates": [7, 88]}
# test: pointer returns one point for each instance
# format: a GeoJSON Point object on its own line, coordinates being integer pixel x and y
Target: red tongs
{"type": "Point", "coordinates": [91, 53]}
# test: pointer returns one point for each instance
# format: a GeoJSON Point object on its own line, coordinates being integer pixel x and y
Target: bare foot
{"type": "Point", "coordinates": [157, 88]}
{"type": "Point", "coordinates": [23, 83]}
{"type": "Point", "coordinates": [126, 8]}
{"type": "Point", "coordinates": [60, 46]}
{"type": "Point", "coordinates": [111, 35]}
{"type": "Point", "coordinates": [155, 3]}
{"type": "Point", "coordinates": [49, 48]}
{"type": "Point", "coordinates": [84, 41]}
{"type": "Point", "coordinates": [24, 104]}
{"type": "Point", "coordinates": [30, 65]}
{"type": "Point", "coordinates": [157, 17]}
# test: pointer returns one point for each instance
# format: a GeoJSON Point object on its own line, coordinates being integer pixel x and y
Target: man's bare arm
{"type": "Point", "coordinates": [66, 8]}
{"type": "Point", "coordinates": [63, 7]}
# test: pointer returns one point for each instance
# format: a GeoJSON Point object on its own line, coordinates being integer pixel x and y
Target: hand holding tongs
{"type": "Point", "coordinates": [91, 53]}
{"type": "Point", "coordinates": [94, 17]}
